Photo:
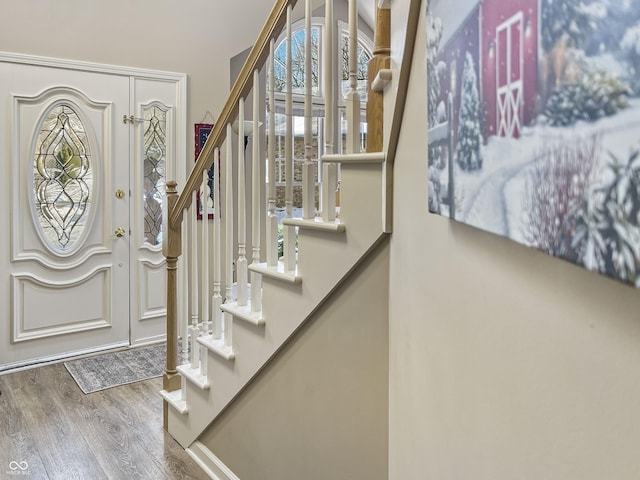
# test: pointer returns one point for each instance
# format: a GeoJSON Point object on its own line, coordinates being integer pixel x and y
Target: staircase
{"type": "Point", "coordinates": [257, 299]}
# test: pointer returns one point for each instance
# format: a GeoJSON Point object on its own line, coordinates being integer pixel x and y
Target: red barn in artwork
{"type": "Point", "coordinates": [509, 64]}
{"type": "Point", "coordinates": [502, 38]}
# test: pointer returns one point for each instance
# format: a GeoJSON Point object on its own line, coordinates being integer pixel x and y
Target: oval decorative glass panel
{"type": "Point", "coordinates": [62, 177]}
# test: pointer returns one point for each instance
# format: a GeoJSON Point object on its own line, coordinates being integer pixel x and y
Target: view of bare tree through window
{"type": "Point", "coordinates": [298, 51]}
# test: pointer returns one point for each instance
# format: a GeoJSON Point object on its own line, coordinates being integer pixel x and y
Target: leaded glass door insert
{"type": "Point", "coordinates": [62, 177]}
{"type": "Point", "coordinates": [154, 170]}
{"type": "Point", "coordinates": [155, 150]}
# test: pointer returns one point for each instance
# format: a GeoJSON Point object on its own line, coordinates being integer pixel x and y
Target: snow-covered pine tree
{"type": "Point", "coordinates": [434, 34]}
{"type": "Point", "coordinates": [565, 17]}
{"type": "Point", "coordinates": [607, 233]}
{"type": "Point", "coordinates": [469, 134]}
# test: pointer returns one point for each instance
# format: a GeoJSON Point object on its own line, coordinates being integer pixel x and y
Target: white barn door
{"type": "Point", "coordinates": [509, 71]}
{"type": "Point", "coordinates": [81, 267]}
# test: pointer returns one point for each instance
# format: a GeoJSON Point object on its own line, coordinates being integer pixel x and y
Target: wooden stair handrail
{"type": "Point", "coordinates": [398, 112]}
{"type": "Point", "coordinates": [241, 88]}
{"type": "Point", "coordinates": [403, 80]}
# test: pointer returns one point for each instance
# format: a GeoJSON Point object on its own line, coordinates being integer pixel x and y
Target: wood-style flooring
{"type": "Point", "coordinates": [50, 430]}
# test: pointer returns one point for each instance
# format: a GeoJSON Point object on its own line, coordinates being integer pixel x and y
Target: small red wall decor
{"type": "Point", "coordinates": [202, 131]}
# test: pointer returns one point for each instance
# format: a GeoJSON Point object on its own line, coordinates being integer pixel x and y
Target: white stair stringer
{"type": "Point", "coordinates": [325, 257]}
{"type": "Point", "coordinates": [209, 463]}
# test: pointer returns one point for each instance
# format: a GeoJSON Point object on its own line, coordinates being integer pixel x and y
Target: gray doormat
{"type": "Point", "coordinates": [97, 373]}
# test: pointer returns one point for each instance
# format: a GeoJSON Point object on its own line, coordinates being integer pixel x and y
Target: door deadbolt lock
{"type": "Point", "coordinates": [119, 232]}
{"type": "Point", "coordinates": [119, 193]}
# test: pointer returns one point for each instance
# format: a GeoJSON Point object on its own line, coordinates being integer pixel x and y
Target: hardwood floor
{"type": "Point", "coordinates": [50, 430]}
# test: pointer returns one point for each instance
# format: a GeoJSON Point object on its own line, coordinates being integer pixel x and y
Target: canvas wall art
{"type": "Point", "coordinates": [534, 125]}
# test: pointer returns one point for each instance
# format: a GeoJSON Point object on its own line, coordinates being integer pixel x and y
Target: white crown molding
{"type": "Point", "coordinates": [22, 58]}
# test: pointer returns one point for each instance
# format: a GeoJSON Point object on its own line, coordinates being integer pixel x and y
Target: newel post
{"type": "Point", "coordinates": [171, 249]}
{"type": "Point", "coordinates": [379, 61]}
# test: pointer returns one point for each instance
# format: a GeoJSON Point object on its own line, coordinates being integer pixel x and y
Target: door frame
{"type": "Point", "coordinates": [175, 170]}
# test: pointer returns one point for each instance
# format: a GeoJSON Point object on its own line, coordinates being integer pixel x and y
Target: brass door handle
{"type": "Point", "coordinates": [119, 232]}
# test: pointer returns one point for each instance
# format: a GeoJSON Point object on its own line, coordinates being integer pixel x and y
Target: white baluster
{"type": "Point", "coordinates": [256, 278]}
{"type": "Point", "coordinates": [329, 170]}
{"type": "Point", "coordinates": [309, 167]}
{"type": "Point", "coordinates": [353, 97]}
{"type": "Point", "coordinates": [216, 300]}
{"type": "Point", "coordinates": [228, 223]}
{"type": "Point", "coordinates": [289, 231]}
{"type": "Point", "coordinates": [184, 265]}
{"type": "Point", "coordinates": [241, 262]}
{"type": "Point", "coordinates": [194, 333]}
{"type": "Point", "coordinates": [272, 218]}
{"type": "Point", "coordinates": [204, 356]}
{"type": "Point", "coordinates": [204, 258]}
{"type": "Point", "coordinates": [193, 267]}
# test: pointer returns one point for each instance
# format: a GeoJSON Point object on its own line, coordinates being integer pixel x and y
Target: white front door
{"type": "Point", "coordinates": [86, 155]}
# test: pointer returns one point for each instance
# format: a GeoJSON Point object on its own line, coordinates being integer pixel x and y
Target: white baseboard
{"type": "Point", "coordinates": [209, 463]}
{"type": "Point", "coordinates": [59, 358]}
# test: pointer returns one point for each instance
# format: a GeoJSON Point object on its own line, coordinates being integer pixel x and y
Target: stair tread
{"type": "Point", "coordinates": [194, 375]}
{"type": "Point", "coordinates": [316, 223]}
{"type": "Point", "coordinates": [277, 272]}
{"type": "Point", "coordinates": [361, 157]}
{"type": "Point", "coordinates": [243, 312]}
{"type": "Point", "coordinates": [175, 400]}
{"type": "Point", "coordinates": [217, 346]}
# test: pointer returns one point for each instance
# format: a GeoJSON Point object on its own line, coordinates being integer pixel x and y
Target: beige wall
{"type": "Point", "coordinates": [191, 37]}
{"type": "Point", "coordinates": [196, 37]}
{"type": "Point", "coordinates": [319, 410]}
{"type": "Point", "coordinates": [504, 363]}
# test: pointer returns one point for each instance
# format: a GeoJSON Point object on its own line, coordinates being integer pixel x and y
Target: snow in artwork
{"type": "Point", "coordinates": [534, 125]}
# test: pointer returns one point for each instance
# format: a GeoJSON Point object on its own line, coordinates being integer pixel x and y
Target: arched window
{"type": "Point", "coordinates": [298, 37]}
{"type": "Point", "coordinates": [298, 51]}
{"type": "Point", "coordinates": [363, 54]}
{"type": "Point", "coordinates": [298, 48]}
